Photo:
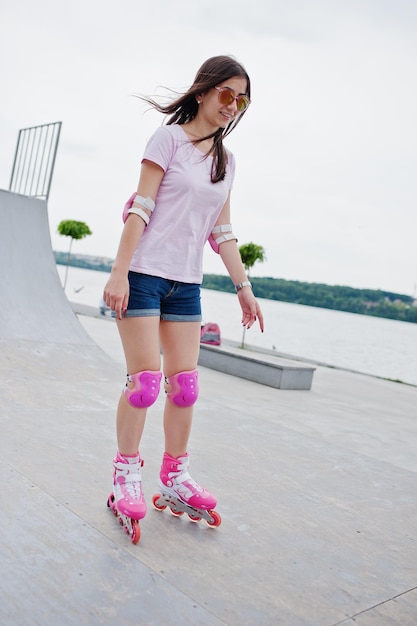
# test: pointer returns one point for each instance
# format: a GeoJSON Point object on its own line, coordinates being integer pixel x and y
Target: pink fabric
{"type": "Point", "coordinates": [187, 207]}
{"type": "Point", "coordinates": [184, 388]}
{"type": "Point", "coordinates": [146, 389]}
{"type": "Point", "coordinates": [215, 246]}
{"type": "Point", "coordinates": [127, 206]}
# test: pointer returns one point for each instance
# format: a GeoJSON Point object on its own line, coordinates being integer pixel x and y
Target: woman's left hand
{"type": "Point", "coordinates": [251, 311]}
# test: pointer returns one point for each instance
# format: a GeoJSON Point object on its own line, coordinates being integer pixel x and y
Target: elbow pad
{"type": "Point", "coordinates": [146, 203]}
{"type": "Point", "coordinates": [222, 228]}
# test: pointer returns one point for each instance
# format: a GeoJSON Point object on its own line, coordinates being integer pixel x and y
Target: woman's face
{"type": "Point", "coordinates": [220, 115]}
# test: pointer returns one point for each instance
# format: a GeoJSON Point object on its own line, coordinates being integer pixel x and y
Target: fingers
{"type": "Point", "coordinates": [250, 317]}
{"type": "Point", "coordinates": [118, 304]}
{"type": "Point", "coordinates": [116, 294]}
{"type": "Point", "coordinates": [120, 308]}
{"type": "Point", "coordinates": [248, 320]}
{"type": "Point", "coordinates": [119, 312]}
{"type": "Point", "coordinates": [260, 319]}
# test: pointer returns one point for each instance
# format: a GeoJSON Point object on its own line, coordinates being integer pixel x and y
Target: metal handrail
{"type": "Point", "coordinates": [34, 160]}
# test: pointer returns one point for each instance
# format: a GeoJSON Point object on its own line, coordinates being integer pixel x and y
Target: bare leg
{"type": "Point", "coordinates": [140, 339]}
{"type": "Point", "coordinates": [180, 345]}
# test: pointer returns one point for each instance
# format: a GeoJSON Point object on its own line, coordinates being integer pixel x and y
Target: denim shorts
{"type": "Point", "coordinates": [168, 299]}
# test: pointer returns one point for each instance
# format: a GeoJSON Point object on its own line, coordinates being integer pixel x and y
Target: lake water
{"type": "Point", "coordinates": [372, 345]}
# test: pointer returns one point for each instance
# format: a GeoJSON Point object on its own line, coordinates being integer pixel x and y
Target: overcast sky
{"type": "Point", "coordinates": [326, 155]}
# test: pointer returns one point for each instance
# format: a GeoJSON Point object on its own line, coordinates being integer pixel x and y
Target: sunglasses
{"type": "Point", "coordinates": [227, 96]}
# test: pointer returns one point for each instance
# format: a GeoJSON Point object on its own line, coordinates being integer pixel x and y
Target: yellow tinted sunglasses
{"type": "Point", "coordinates": [227, 96]}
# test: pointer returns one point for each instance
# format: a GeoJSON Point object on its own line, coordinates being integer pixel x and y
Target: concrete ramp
{"type": "Point", "coordinates": [33, 304]}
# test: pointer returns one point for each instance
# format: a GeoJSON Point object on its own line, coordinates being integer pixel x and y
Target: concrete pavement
{"type": "Point", "coordinates": [317, 489]}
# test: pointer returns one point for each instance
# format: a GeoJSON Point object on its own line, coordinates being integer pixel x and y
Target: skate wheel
{"type": "Point", "coordinates": [194, 518]}
{"type": "Point", "coordinates": [158, 507]}
{"type": "Point", "coordinates": [111, 505]}
{"type": "Point", "coordinates": [135, 535]}
{"type": "Point", "coordinates": [176, 513]}
{"type": "Point", "coordinates": [217, 520]}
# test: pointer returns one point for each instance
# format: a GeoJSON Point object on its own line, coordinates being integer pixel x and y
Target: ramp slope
{"type": "Point", "coordinates": [33, 304]}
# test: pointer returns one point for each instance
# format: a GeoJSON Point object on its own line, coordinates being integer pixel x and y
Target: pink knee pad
{"type": "Point", "coordinates": [184, 388]}
{"type": "Point", "coordinates": [145, 390]}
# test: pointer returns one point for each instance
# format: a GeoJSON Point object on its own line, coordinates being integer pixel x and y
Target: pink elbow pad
{"type": "Point", "coordinates": [221, 228]}
{"type": "Point", "coordinates": [128, 206]}
{"type": "Point", "coordinates": [214, 244]}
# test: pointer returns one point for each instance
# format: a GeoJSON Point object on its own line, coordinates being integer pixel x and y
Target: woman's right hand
{"type": "Point", "coordinates": [116, 294]}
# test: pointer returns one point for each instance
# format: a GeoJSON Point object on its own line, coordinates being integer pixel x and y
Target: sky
{"type": "Point", "coordinates": [326, 155]}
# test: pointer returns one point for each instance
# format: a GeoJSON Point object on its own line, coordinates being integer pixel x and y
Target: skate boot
{"type": "Point", "coordinates": [127, 500]}
{"type": "Point", "coordinates": [183, 494]}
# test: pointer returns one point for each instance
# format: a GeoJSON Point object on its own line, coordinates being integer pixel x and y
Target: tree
{"type": "Point", "coordinates": [250, 253]}
{"type": "Point", "coordinates": [75, 230]}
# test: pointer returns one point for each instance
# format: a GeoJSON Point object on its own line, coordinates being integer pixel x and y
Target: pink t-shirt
{"type": "Point", "coordinates": [186, 208]}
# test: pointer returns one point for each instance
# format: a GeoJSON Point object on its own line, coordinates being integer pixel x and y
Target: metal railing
{"type": "Point", "coordinates": [34, 160]}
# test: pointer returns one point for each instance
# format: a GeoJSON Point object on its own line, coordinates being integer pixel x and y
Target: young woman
{"type": "Point", "coordinates": [182, 200]}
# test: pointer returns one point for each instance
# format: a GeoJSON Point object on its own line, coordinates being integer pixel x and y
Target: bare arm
{"type": "Point", "coordinates": [116, 291]}
{"type": "Point", "coordinates": [230, 255]}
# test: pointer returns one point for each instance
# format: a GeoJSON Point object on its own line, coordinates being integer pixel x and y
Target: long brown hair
{"type": "Point", "coordinates": [184, 108]}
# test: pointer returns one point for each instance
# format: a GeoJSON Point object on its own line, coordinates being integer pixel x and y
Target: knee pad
{"type": "Point", "coordinates": [184, 388]}
{"type": "Point", "coordinates": [145, 390]}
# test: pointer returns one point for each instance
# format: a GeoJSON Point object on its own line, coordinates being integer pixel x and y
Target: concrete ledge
{"type": "Point", "coordinates": [260, 367]}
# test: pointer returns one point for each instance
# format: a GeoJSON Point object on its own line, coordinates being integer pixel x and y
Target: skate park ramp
{"type": "Point", "coordinates": [316, 489]}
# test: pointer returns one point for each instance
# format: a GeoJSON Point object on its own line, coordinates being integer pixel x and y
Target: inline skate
{"type": "Point", "coordinates": [127, 500]}
{"type": "Point", "coordinates": [182, 494]}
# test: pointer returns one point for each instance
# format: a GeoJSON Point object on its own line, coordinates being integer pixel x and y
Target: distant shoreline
{"type": "Point", "coordinates": [373, 302]}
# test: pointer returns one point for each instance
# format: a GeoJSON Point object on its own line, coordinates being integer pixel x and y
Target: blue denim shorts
{"type": "Point", "coordinates": [168, 299]}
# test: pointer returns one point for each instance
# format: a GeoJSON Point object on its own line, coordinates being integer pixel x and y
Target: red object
{"type": "Point", "coordinates": [210, 334]}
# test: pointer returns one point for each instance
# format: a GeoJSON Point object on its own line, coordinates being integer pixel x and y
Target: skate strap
{"type": "Point", "coordinates": [182, 478]}
{"type": "Point", "coordinates": [130, 471]}
{"type": "Point", "coordinates": [186, 478]}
